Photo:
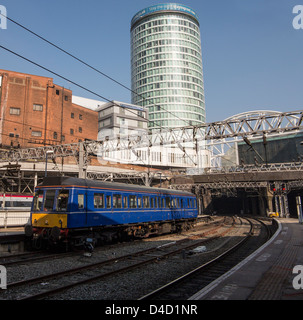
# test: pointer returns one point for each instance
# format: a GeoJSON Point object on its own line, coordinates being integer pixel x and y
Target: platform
{"type": "Point", "coordinates": [11, 240]}
{"type": "Point", "coordinates": [267, 274]}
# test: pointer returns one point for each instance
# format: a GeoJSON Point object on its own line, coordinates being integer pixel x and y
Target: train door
{"type": "Point", "coordinates": [140, 211]}
{"type": "Point", "coordinates": [117, 208]}
{"type": "Point", "coordinates": [182, 207]}
{"type": "Point", "coordinates": [125, 206]}
{"type": "Point", "coordinates": [79, 214]}
{"type": "Point", "coordinates": [174, 208]}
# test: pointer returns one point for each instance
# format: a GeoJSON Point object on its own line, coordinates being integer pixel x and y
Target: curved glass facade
{"type": "Point", "coordinates": [166, 66]}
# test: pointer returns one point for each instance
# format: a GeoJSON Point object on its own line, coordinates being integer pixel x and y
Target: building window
{"type": "Point", "coordinates": [80, 116]}
{"type": "Point", "coordinates": [66, 98]}
{"type": "Point", "coordinates": [72, 115]}
{"type": "Point", "coordinates": [38, 107]}
{"type": "Point", "coordinates": [55, 135]}
{"type": "Point", "coordinates": [62, 138]}
{"type": "Point", "coordinates": [80, 129]}
{"type": "Point", "coordinates": [14, 111]}
{"type": "Point", "coordinates": [36, 133]}
{"type": "Point", "coordinates": [141, 114]}
{"type": "Point", "coordinates": [57, 92]}
{"type": "Point", "coordinates": [71, 131]}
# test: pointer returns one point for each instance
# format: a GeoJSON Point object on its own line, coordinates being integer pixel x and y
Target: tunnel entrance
{"type": "Point", "coordinates": [243, 203]}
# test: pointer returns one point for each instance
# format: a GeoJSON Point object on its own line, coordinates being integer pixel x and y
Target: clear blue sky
{"type": "Point", "coordinates": [252, 55]}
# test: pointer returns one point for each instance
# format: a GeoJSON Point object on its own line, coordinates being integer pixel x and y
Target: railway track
{"type": "Point", "coordinates": [34, 256]}
{"type": "Point", "coordinates": [187, 285]}
{"type": "Point", "coordinates": [29, 257]}
{"type": "Point", "coordinates": [50, 284]}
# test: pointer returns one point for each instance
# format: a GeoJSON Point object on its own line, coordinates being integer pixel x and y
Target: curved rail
{"type": "Point", "coordinates": [165, 291]}
{"type": "Point", "coordinates": [130, 261]}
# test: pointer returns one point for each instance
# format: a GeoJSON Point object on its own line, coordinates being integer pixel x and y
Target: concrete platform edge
{"type": "Point", "coordinates": [200, 294]}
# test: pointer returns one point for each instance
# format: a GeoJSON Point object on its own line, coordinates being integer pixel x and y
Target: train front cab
{"type": "Point", "coordinates": [49, 216]}
{"type": "Point", "coordinates": [49, 208]}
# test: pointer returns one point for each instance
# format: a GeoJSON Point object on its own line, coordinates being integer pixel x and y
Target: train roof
{"type": "Point", "coordinates": [71, 181]}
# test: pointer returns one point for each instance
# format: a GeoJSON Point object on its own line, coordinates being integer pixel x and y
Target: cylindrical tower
{"type": "Point", "coordinates": [166, 65]}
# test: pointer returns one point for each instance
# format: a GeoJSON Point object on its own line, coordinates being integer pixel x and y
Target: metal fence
{"type": "Point", "coordinates": [14, 218]}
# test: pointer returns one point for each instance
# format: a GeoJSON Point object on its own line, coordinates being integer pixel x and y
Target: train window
{"type": "Point", "coordinates": [151, 202]}
{"type": "Point", "coordinates": [23, 204]}
{"type": "Point", "coordinates": [174, 203]}
{"type": "Point", "coordinates": [167, 202]}
{"type": "Point", "coordinates": [156, 202]}
{"type": "Point", "coordinates": [49, 200]}
{"type": "Point", "coordinates": [146, 201]}
{"type": "Point", "coordinates": [181, 203]}
{"type": "Point", "coordinates": [98, 200]}
{"type": "Point", "coordinates": [133, 202]}
{"type": "Point", "coordinates": [62, 200]}
{"type": "Point", "coordinates": [108, 202]}
{"type": "Point", "coordinates": [80, 201]}
{"type": "Point", "coordinates": [125, 204]}
{"type": "Point", "coordinates": [8, 204]}
{"type": "Point", "coordinates": [163, 202]}
{"type": "Point", "coordinates": [139, 202]}
{"type": "Point", "coordinates": [117, 201]}
{"type": "Point", "coordinates": [38, 199]}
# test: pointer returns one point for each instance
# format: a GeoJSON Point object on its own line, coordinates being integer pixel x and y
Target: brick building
{"type": "Point", "coordinates": [35, 112]}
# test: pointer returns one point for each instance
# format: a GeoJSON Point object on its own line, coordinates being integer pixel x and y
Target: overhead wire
{"type": "Point", "coordinates": [88, 65]}
{"type": "Point", "coordinates": [62, 77]}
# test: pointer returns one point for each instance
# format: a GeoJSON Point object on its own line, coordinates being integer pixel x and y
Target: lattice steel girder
{"type": "Point", "coordinates": [252, 123]}
{"type": "Point", "coordinates": [40, 153]}
{"type": "Point", "coordinates": [241, 125]}
{"type": "Point", "coordinates": [221, 185]}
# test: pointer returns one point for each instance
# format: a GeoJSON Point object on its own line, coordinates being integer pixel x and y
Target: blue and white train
{"type": "Point", "coordinates": [73, 211]}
